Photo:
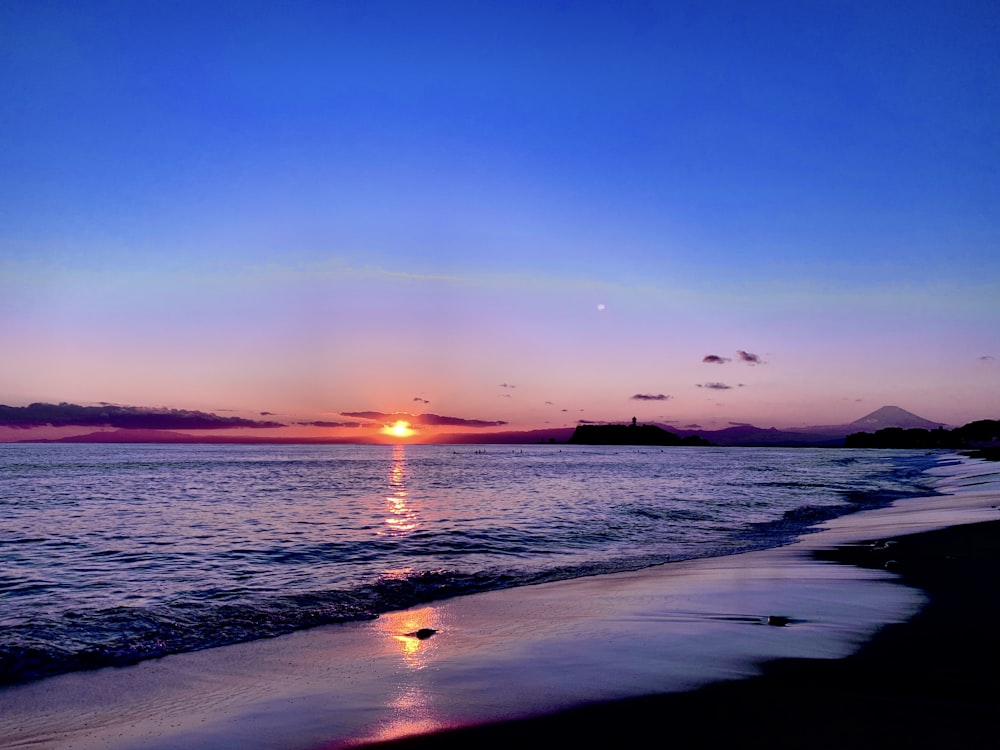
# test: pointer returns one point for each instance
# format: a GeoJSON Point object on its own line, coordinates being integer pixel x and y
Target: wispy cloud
{"type": "Point", "coordinates": [323, 423]}
{"type": "Point", "coordinates": [741, 354]}
{"type": "Point", "coordinates": [507, 385]}
{"type": "Point", "coordinates": [986, 358]}
{"type": "Point", "coordinates": [420, 400]}
{"type": "Point", "coordinates": [121, 417]}
{"type": "Point", "coordinates": [715, 386]}
{"type": "Point", "coordinates": [749, 357]}
{"type": "Point", "coordinates": [430, 420]}
{"type": "Point", "coordinates": [650, 397]}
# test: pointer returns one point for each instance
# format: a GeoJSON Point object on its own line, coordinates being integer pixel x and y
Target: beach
{"type": "Point", "coordinates": [930, 682]}
{"type": "Point", "coordinates": [879, 629]}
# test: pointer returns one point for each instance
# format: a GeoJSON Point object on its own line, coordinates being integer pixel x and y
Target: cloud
{"type": "Point", "coordinates": [440, 421]}
{"type": "Point", "coordinates": [267, 413]}
{"type": "Point", "coordinates": [549, 403]}
{"type": "Point", "coordinates": [322, 423]}
{"type": "Point", "coordinates": [650, 397]}
{"type": "Point", "coordinates": [986, 358]}
{"type": "Point", "coordinates": [377, 415]}
{"type": "Point", "coordinates": [507, 385]}
{"type": "Point", "coordinates": [421, 400]}
{"type": "Point", "coordinates": [121, 417]}
{"type": "Point", "coordinates": [749, 357]}
{"type": "Point", "coordinates": [435, 420]}
{"type": "Point", "coordinates": [715, 386]}
{"type": "Point", "coordinates": [692, 426]}
{"type": "Point", "coordinates": [742, 355]}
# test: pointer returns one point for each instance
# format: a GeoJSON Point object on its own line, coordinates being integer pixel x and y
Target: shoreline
{"type": "Point", "coordinates": [928, 682]}
{"type": "Point", "coordinates": [565, 652]}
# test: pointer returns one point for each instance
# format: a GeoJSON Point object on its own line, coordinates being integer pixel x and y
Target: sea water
{"type": "Point", "coordinates": [110, 554]}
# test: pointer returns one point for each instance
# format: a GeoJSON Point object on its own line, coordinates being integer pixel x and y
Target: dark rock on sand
{"type": "Point", "coordinates": [423, 634]}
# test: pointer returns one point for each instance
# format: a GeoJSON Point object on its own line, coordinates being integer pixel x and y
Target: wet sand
{"type": "Point", "coordinates": [574, 659]}
{"type": "Point", "coordinates": [932, 681]}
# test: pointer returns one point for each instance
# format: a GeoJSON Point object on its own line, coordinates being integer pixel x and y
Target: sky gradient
{"type": "Point", "coordinates": [527, 213]}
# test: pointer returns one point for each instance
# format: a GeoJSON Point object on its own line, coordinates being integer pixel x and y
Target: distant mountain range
{"type": "Point", "coordinates": [816, 435]}
{"type": "Point", "coordinates": [738, 435]}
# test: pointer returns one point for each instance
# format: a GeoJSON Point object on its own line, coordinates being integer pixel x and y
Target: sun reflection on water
{"type": "Point", "coordinates": [402, 518]}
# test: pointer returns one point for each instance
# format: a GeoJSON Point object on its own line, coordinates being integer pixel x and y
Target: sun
{"type": "Point", "coordinates": [399, 429]}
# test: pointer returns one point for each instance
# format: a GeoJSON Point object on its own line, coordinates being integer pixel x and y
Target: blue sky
{"type": "Point", "coordinates": [339, 205]}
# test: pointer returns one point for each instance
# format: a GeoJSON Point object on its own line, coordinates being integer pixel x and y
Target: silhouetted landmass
{"type": "Point", "coordinates": [622, 434]}
{"type": "Point", "coordinates": [748, 436]}
{"type": "Point", "coordinates": [894, 416]}
{"type": "Point", "coordinates": [143, 425]}
{"type": "Point", "coordinates": [984, 433]}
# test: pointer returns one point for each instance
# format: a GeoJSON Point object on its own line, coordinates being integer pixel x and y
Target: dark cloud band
{"type": "Point", "coordinates": [120, 417]}
{"type": "Point", "coordinates": [430, 420]}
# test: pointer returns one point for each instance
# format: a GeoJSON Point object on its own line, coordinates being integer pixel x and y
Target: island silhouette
{"type": "Point", "coordinates": [630, 434]}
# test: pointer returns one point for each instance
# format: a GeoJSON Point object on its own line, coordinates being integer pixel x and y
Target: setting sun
{"type": "Point", "coordinates": [399, 429]}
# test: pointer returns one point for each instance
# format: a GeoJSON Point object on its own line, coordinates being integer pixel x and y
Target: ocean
{"type": "Point", "coordinates": [112, 554]}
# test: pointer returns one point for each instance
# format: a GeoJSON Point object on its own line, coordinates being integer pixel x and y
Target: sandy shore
{"type": "Point", "coordinates": [683, 652]}
{"type": "Point", "coordinates": [931, 682]}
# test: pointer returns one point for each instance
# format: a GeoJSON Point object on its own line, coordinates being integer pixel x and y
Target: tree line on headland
{"type": "Point", "coordinates": [630, 434]}
{"type": "Point", "coordinates": [983, 433]}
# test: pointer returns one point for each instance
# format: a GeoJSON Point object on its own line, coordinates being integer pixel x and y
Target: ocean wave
{"type": "Point", "coordinates": [212, 554]}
